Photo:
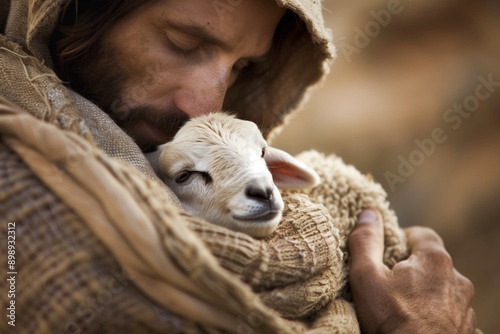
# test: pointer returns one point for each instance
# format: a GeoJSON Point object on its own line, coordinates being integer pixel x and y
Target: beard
{"type": "Point", "coordinates": [168, 121]}
{"type": "Point", "coordinates": [99, 76]}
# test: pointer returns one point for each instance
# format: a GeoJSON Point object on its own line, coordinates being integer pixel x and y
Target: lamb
{"type": "Point", "coordinates": [222, 169]}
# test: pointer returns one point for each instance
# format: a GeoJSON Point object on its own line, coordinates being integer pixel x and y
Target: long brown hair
{"type": "Point", "coordinates": [81, 24]}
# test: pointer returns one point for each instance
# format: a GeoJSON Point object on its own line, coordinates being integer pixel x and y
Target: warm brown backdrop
{"type": "Point", "coordinates": [383, 96]}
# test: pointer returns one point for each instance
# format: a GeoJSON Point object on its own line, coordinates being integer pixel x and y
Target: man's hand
{"type": "Point", "coordinates": [423, 294]}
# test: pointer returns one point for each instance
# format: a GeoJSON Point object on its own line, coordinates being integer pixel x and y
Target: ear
{"type": "Point", "coordinates": [288, 172]}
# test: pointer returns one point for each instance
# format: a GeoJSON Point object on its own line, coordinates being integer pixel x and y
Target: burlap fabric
{"type": "Point", "coordinates": [74, 238]}
{"type": "Point", "coordinates": [103, 247]}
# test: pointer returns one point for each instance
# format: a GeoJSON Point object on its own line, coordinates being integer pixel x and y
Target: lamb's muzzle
{"type": "Point", "coordinates": [221, 169]}
{"type": "Point", "coordinates": [263, 201]}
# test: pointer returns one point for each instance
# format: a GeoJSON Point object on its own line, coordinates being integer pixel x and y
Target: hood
{"type": "Point", "coordinates": [265, 97]}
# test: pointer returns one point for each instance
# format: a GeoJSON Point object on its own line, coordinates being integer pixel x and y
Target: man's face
{"type": "Point", "coordinates": [175, 59]}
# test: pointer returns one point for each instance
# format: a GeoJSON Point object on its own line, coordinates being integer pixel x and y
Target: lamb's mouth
{"type": "Point", "coordinates": [258, 218]}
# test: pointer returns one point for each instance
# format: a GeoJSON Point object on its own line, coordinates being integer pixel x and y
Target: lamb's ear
{"type": "Point", "coordinates": [288, 172]}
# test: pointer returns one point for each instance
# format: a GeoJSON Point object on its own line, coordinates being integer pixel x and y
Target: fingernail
{"type": "Point", "coordinates": [368, 216]}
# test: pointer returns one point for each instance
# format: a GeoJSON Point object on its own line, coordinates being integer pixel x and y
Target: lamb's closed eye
{"type": "Point", "coordinates": [233, 176]}
{"type": "Point", "coordinates": [185, 175]}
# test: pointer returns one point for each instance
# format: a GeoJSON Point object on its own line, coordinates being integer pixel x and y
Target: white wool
{"type": "Point", "coordinates": [222, 169]}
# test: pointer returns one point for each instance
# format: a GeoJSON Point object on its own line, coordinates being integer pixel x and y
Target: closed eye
{"type": "Point", "coordinates": [182, 176]}
{"type": "Point", "coordinates": [182, 51]}
{"type": "Point", "coordinates": [182, 44]}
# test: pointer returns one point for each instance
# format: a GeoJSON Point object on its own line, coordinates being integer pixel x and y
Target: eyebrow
{"type": "Point", "coordinates": [207, 37]}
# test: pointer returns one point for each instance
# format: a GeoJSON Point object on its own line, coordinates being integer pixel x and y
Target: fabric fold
{"type": "Point", "coordinates": [63, 161]}
{"type": "Point", "coordinates": [205, 274]}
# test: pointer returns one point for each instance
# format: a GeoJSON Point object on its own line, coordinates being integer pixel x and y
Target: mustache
{"type": "Point", "coordinates": [167, 120]}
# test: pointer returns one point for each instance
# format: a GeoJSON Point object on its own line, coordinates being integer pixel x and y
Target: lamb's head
{"type": "Point", "coordinates": [221, 169]}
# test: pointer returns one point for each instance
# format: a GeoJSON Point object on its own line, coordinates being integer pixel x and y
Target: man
{"type": "Point", "coordinates": [151, 65]}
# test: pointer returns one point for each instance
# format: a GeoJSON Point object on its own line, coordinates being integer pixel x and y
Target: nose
{"type": "Point", "coordinates": [203, 89]}
{"type": "Point", "coordinates": [259, 192]}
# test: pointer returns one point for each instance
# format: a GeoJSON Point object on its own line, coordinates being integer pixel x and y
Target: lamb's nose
{"type": "Point", "coordinates": [259, 193]}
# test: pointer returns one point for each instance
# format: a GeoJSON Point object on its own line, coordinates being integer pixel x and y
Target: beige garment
{"type": "Point", "coordinates": [86, 204]}
{"type": "Point", "coordinates": [299, 272]}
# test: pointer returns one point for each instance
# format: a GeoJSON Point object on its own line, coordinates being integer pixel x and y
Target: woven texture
{"type": "Point", "coordinates": [299, 272]}
{"type": "Point", "coordinates": [103, 246]}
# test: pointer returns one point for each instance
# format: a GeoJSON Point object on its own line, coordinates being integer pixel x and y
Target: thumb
{"type": "Point", "coordinates": [366, 242]}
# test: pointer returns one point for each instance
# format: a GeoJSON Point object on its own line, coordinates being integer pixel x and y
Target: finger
{"type": "Point", "coordinates": [427, 248]}
{"type": "Point", "coordinates": [366, 242]}
{"type": "Point", "coordinates": [470, 322]}
{"type": "Point", "coordinates": [466, 286]}
{"type": "Point", "coordinates": [423, 238]}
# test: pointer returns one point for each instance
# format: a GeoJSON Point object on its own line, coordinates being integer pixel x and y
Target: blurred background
{"type": "Point", "coordinates": [391, 107]}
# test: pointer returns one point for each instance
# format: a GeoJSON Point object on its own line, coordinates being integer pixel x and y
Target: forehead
{"type": "Point", "coordinates": [236, 13]}
{"type": "Point", "coordinates": [223, 131]}
{"type": "Point", "coordinates": [236, 22]}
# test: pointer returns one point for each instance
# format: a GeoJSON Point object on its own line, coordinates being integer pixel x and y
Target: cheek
{"type": "Point", "coordinates": [146, 67]}
{"type": "Point", "coordinates": [154, 76]}
{"type": "Point", "coordinates": [190, 193]}
{"type": "Point", "coordinates": [143, 59]}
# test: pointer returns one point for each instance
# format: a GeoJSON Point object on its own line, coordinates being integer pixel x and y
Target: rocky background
{"type": "Point", "coordinates": [414, 99]}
